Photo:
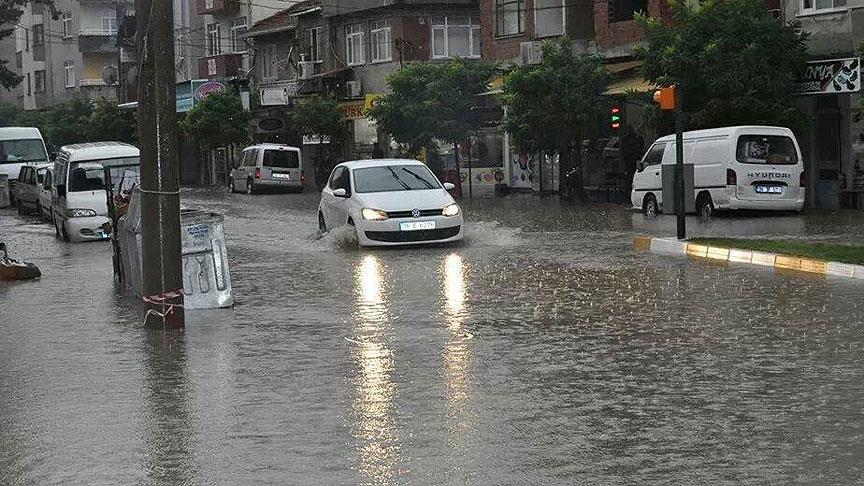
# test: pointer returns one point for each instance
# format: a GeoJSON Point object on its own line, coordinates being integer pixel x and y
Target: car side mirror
{"type": "Point", "coordinates": [341, 192]}
{"type": "Point", "coordinates": [449, 186]}
{"type": "Point", "coordinates": [61, 190]}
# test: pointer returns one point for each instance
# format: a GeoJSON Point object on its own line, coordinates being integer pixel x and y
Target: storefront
{"type": "Point", "coordinates": [832, 144]}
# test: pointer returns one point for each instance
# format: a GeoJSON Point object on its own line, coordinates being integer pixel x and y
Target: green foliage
{"type": "Point", "coordinates": [433, 101]}
{"type": "Point", "coordinates": [319, 115]}
{"type": "Point", "coordinates": [735, 62]}
{"type": "Point", "coordinates": [218, 121]}
{"type": "Point", "coordinates": [8, 114]}
{"type": "Point", "coordinates": [107, 122]}
{"type": "Point", "coordinates": [69, 122]}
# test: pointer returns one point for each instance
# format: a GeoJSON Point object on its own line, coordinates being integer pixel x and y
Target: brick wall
{"type": "Point", "coordinates": [609, 35]}
{"type": "Point", "coordinates": [503, 48]}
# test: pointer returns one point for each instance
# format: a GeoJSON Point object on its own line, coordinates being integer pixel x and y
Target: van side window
{"type": "Point", "coordinates": [654, 155]}
{"type": "Point", "coordinates": [250, 158]}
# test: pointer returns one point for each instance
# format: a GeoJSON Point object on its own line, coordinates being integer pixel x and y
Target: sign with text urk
{"type": "Point", "coordinates": [831, 76]}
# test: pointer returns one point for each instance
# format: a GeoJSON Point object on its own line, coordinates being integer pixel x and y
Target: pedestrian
{"type": "Point", "coordinates": [377, 153]}
{"type": "Point", "coordinates": [632, 147]}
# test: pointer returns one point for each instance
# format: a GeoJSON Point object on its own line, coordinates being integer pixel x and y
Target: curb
{"type": "Point", "coordinates": [663, 246]}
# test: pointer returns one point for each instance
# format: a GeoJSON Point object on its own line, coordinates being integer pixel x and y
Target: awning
{"type": "Point", "coordinates": [628, 85]}
{"type": "Point", "coordinates": [620, 67]}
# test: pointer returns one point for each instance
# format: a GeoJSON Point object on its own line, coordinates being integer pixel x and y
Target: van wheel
{"type": "Point", "coordinates": [322, 225]}
{"type": "Point", "coordinates": [650, 207]}
{"type": "Point", "coordinates": [704, 205]}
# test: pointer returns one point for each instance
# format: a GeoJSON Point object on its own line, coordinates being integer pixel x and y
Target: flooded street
{"type": "Point", "coordinates": [542, 350]}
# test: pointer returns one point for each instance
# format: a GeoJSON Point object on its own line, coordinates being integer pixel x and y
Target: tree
{"type": "Point", "coordinates": [430, 101]}
{"type": "Point", "coordinates": [550, 104]}
{"type": "Point", "coordinates": [108, 122]}
{"type": "Point", "coordinates": [320, 116]}
{"type": "Point", "coordinates": [67, 122]}
{"type": "Point", "coordinates": [10, 15]}
{"type": "Point", "coordinates": [218, 120]}
{"type": "Point", "coordinates": [734, 61]}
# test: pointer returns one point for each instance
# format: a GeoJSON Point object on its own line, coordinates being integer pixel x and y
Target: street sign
{"type": "Point", "coordinates": [831, 76]}
{"type": "Point", "coordinates": [208, 88]}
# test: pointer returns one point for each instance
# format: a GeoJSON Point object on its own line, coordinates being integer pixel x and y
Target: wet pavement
{"type": "Point", "coordinates": [542, 350]}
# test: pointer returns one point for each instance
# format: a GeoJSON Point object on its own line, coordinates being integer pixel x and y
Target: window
{"type": "Point", "coordinates": [654, 156]}
{"type": "Point", "coordinates": [354, 44]}
{"type": "Point", "coordinates": [282, 159]}
{"type": "Point", "coordinates": [268, 62]}
{"type": "Point", "coordinates": [339, 178]}
{"type": "Point", "coordinates": [38, 35]}
{"type": "Point", "coordinates": [238, 28]}
{"type": "Point", "coordinates": [380, 36]}
{"type": "Point", "coordinates": [67, 25]}
{"type": "Point", "coordinates": [455, 37]}
{"type": "Point", "coordinates": [39, 81]}
{"type": "Point", "coordinates": [214, 40]}
{"type": "Point", "coordinates": [315, 51]}
{"type": "Point", "coordinates": [766, 149]}
{"type": "Point", "coordinates": [548, 18]}
{"type": "Point", "coordinates": [623, 10]}
{"type": "Point", "coordinates": [22, 150]}
{"type": "Point", "coordinates": [509, 17]}
{"type": "Point", "coordinates": [109, 23]}
{"type": "Point", "coordinates": [250, 158]}
{"type": "Point", "coordinates": [69, 73]}
{"type": "Point", "coordinates": [811, 6]}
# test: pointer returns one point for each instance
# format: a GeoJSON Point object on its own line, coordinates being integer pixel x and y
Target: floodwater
{"type": "Point", "coordinates": [543, 350]}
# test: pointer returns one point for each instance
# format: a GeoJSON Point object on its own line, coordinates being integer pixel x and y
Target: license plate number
{"type": "Point", "coordinates": [281, 176]}
{"type": "Point", "coordinates": [769, 189]}
{"type": "Point", "coordinates": [417, 225]}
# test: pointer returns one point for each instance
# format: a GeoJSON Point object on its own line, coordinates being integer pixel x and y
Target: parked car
{"type": "Point", "coordinates": [390, 202]}
{"type": "Point", "coordinates": [270, 166]}
{"type": "Point", "coordinates": [744, 167]}
{"type": "Point", "coordinates": [80, 208]}
{"type": "Point", "coordinates": [26, 188]}
{"type": "Point", "coordinates": [46, 194]}
{"type": "Point", "coordinates": [19, 147]}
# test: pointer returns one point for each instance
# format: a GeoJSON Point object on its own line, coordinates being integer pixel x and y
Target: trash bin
{"type": "Point", "coordinates": [206, 278]}
{"type": "Point", "coordinates": [4, 191]}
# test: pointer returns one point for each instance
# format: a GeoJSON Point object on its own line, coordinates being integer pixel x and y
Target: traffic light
{"type": "Point", "coordinates": [615, 117]}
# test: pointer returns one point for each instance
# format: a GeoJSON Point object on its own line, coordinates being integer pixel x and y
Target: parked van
{"type": "Point", "coordinates": [268, 165]}
{"type": "Point", "coordinates": [746, 167]}
{"type": "Point", "coordinates": [20, 146]}
{"type": "Point", "coordinates": [80, 208]}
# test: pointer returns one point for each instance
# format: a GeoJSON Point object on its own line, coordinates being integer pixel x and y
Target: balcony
{"type": "Point", "coordinates": [216, 7]}
{"type": "Point", "coordinates": [220, 66]}
{"type": "Point", "coordinates": [97, 41]}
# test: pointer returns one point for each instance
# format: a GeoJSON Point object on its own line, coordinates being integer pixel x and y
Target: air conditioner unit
{"type": "Point", "coordinates": [530, 53]}
{"type": "Point", "coordinates": [307, 69]}
{"type": "Point", "coordinates": [355, 90]}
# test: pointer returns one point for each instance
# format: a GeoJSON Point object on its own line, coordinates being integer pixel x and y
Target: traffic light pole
{"type": "Point", "coordinates": [680, 207]}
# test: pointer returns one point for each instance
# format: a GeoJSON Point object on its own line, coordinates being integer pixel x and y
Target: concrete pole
{"type": "Point", "coordinates": [160, 177]}
{"type": "Point", "coordinates": [680, 204]}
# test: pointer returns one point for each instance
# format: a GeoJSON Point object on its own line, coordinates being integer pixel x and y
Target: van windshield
{"type": "Point", "coordinates": [766, 149]}
{"type": "Point", "coordinates": [282, 159]}
{"type": "Point", "coordinates": [89, 175]}
{"type": "Point", "coordinates": [23, 150]}
{"type": "Point", "coordinates": [82, 179]}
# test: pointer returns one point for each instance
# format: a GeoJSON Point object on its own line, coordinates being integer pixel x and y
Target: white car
{"type": "Point", "coordinates": [390, 202]}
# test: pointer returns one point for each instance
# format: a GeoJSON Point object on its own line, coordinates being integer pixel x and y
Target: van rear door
{"type": "Point", "coordinates": [768, 167]}
{"type": "Point", "coordinates": [281, 164]}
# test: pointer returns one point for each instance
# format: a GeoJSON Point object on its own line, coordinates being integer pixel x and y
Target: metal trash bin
{"type": "Point", "coordinates": [206, 277]}
{"type": "Point", "coordinates": [4, 191]}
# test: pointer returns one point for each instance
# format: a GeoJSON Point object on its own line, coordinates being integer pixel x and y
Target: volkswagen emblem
{"type": "Point", "coordinates": [415, 212]}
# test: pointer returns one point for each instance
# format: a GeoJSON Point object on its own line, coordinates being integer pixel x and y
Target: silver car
{"type": "Point", "coordinates": [269, 166]}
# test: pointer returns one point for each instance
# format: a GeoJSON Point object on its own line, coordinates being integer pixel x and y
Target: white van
{"type": "Point", "coordinates": [20, 146]}
{"type": "Point", "coordinates": [80, 208]}
{"type": "Point", "coordinates": [271, 166]}
{"type": "Point", "coordinates": [747, 167]}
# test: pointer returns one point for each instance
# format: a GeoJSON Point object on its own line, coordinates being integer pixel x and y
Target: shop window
{"type": "Point", "coordinates": [624, 10]}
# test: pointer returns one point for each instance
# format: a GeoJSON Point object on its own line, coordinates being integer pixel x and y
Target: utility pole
{"type": "Point", "coordinates": [160, 176]}
{"type": "Point", "coordinates": [680, 208]}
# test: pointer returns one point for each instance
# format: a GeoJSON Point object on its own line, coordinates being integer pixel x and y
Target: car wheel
{"type": "Point", "coordinates": [250, 187]}
{"type": "Point", "coordinates": [650, 207]}
{"type": "Point", "coordinates": [322, 225]}
{"type": "Point", "coordinates": [704, 206]}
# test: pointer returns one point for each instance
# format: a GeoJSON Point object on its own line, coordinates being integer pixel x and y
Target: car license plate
{"type": "Point", "coordinates": [281, 176]}
{"type": "Point", "coordinates": [769, 189]}
{"type": "Point", "coordinates": [417, 225]}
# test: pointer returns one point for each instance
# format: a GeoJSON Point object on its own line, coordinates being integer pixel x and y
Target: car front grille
{"type": "Point", "coordinates": [413, 236]}
{"type": "Point", "coordinates": [407, 214]}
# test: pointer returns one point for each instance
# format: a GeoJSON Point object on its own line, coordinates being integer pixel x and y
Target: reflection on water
{"type": "Point", "coordinates": [456, 352]}
{"type": "Point", "coordinates": [375, 427]}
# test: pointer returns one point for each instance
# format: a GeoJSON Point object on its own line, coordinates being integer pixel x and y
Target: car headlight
{"type": "Point", "coordinates": [373, 214]}
{"type": "Point", "coordinates": [79, 213]}
{"type": "Point", "coordinates": [451, 210]}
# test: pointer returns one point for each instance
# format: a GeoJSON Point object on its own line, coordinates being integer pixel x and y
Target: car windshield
{"type": "Point", "coordinates": [282, 159]}
{"type": "Point", "coordinates": [766, 149]}
{"type": "Point", "coordinates": [391, 178]}
{"type": "Point", "coordinates": [25, 150]}
{"type": "Point", "coordinates": [90, 175]}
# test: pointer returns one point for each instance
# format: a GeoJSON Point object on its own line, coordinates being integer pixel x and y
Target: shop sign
{"type": "Point", "coordinates": [271, 124]}
{"type": "Point", "coordinates": [372, 100]}
{"type": "Point", "coordinates": [353, 110]}
{"type": "Point", "coordinates": [208, 88]}
{"type": "Point", "coordinates": [315, 139]}
{"type": "Point", "coordinates": [186, 94]}
{"type": "Point", "coordinates": [831, 76]}
{"type": "Point", "coordinates": [280, 96]}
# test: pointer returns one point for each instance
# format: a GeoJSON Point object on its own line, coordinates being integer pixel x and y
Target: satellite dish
{"type": "Point", "coordinates": [109, 75]}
